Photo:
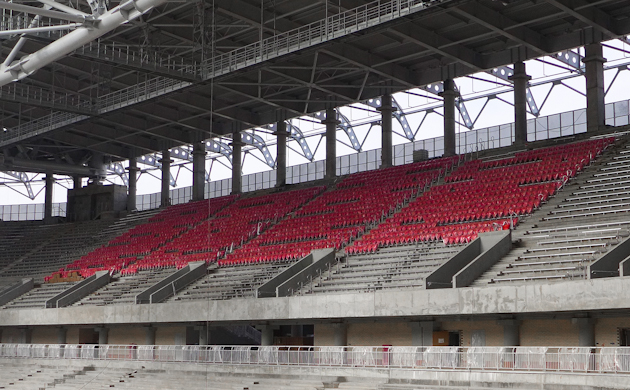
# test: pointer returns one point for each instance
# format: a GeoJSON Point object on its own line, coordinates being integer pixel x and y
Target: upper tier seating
{"type": "Point", "coordinates": [588, 219]}
{"type": "Point", "coordinates": [479, 196]}
{"type": "Point", "coordinates": [145, 238]}
{"type": "Point", "coordinates": [240, 221]}
{"type": "Point", "coordinates": [482, 195]}
{"type": "Point", "coordinates": [343, 213]}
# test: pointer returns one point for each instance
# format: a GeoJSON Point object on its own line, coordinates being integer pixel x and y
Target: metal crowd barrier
{"type": "Point", "coordinates": [563, 359]}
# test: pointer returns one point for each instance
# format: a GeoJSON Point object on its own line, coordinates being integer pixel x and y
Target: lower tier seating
{"type": "Point", "coordinates": [398, 267]}
{"type": "Point", "coordinates": [124, 289]}
{"type": "Point", "coordinates": [37, 297]}
{"type": "Point", "coordinates": [231, 282]}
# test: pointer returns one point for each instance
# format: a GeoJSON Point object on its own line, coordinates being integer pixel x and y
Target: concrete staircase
{"type": "Point", "coordinates": [586, 218]}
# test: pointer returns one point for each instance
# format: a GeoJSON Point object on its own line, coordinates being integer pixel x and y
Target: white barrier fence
{"type": "Point", "coordinates": [566, 359]}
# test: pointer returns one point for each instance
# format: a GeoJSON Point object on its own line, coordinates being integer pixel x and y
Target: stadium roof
{"type": "Point", "coordinates": [187, 71]}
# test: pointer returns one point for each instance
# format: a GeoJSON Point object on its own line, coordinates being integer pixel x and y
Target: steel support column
{"type": "Point", "coordinates": [133, 184]}
{"type": "Point", "coordinates": [281, 159]}
{"type": "Point", "coordinates": [520, 79]}
{"type": "Point", "coordinates": [166, 178]}
{"type": "Point", "coordinates": [77, 182]}
{"type": "Point", "coordinates": [386, 110]}
{"type": "Point", "coordinates": [237, 187]}
{"type": "Point", "coordinates": [199, 171]}
{"type": "Point", "coordinates": [449, 96]}
{"type": "Point", "coordinates": [331, 123]}
{"type": "Point", "coordinates": [594, 71]}
{"type": "Point", "coordinates": [48, 198]}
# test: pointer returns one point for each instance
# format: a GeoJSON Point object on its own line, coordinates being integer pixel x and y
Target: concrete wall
{"type": "Point", "coordinates": [595, 295]}
{"type": "Point", "coordinates": [383, 333]}
{"type": "Point", "coordinates": [11, 335]}
{"type": "Point", "coordinates": [560, 332]}
{"type": "Point", "coordinates": [606, 331]}
{"type": "Point", "coordinates": [170, 335]}
{"type": "Point", "coordinates": [126, 335]}
{"type": "Point", "coordinates": [47, 335]}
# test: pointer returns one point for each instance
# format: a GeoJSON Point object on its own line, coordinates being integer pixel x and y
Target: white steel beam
{"type": "Point", "coordinates": [110, 20]}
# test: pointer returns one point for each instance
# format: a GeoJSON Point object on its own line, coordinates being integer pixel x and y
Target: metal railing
{"type": "Point", "coordinates": [142, 57]}
{"type": "Point", "coordinates": [333, 27]}
{"type": "Point", "coordinates": [31, 94]}
{"type": "Point", "coordinates": [541, 359]}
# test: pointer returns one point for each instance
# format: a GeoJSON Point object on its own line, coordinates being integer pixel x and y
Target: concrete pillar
{"type": "Point", "coordinates": [237, 187]}
{"type": "Point", "coordinates": [62, 335]}
{"type": "Point", "coordinates": [449, 95]}
{"type": "Point", "coordinates": [204, 335]}
{"type": "Point", "coordinates": [149, 335]}
{"type": "Point", "coordinates": [266, 334]}
{"type": "Point", "coordinates": [594, 70]}
{"type": "Point", "coordinates": [166, 178]}
{"type": "Point", "coordinates": [340, 336]}
{"type": "Point", "coordinates": [103, 335]}
{"type": "Point", "coordinates": [25, 335]}
{"type": "Point", "coordinates": [422, 333]}
{"type": "Point", "coordinates": [281, 159]}
{"type": "Point", "coordinates": [331, 123]}
{"type": "Point", "coordinates": [520, 80]}
{"type": "Point", "coordinates": [386, 110]}
{"type": "Point", "coordinates": [511, 332]}
{"type": "Point", "coordinates": [48, 198]}
{"type": "Point", "coordinates": [77, 182]}
{"type": "Point", "coordinates": [199, 171]}
{"type": "Point", "coordinates": [586, 329]}
{"type": "Point", "coordinates": [133, 184]}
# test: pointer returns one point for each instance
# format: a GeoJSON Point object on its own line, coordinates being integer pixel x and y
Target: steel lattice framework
{"type": "Point", "coordinates": [165, 74]}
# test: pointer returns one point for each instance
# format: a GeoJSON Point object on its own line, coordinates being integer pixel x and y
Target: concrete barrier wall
{"type": "Point", "coordinates": [494, 246]}
{"type": "Point", "coordinates": [145, 296]}
{"type": "Point", "coordinates": [595, 295]}
{"type": "Point", "coordinates": [608, 265]}
{"type": "Point", "coordinates": [624, 267]}
{"type": "Point", "coordinates": [322, 259]}
{"type": "Point", "coordinates": [195, 271]}
{"type": "Point", "coordinates": [16, 290]}
{"type": "Point", "coordinates": [79, 290]}
{"type": "Point", "coordinates": [442, 276]}
{"type": "Point", "coordinates": [268, 289]}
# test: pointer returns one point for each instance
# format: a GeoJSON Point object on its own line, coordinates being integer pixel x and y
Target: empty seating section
{"type": "Point", "coordinates": [581, 226]}
{"type": "Point", "coordinates": [235, 224]}
{"type": "Point", "coordinates": [125, 288]}
{"type": "Point", "coordinates": [174, 251]}
{"type": "Point", "coordinates": [342, 213]}
{"type": "Point", "coordinates": [482, 195]}
{"type": "Point", "coordinates": [28, 375]}
{"type": "Point", "coordinates": [37, 297]}
{"type": "Point", "coordinates": [397, 267]}
{"type": "Point", "coordinates": [230, 282]}
{"type": "Point", "coordinates": [141, 240]}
